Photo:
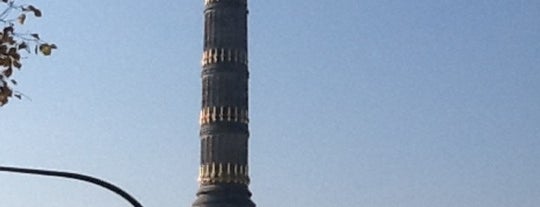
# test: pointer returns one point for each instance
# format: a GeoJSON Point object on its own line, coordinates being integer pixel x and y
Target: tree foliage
{"type": "Point", "coordinates": [13, 44]}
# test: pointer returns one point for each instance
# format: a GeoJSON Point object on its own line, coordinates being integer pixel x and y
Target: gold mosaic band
{"type": "Point", "coordinates": [223, 173]}
{"type": "Point", "coordinates": [224, 114]}
{"type": "Point", "coordinates": [223, 55]}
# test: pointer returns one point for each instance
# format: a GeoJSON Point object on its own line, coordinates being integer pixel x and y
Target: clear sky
{"type": "Point", "coordinates": [372, 103]}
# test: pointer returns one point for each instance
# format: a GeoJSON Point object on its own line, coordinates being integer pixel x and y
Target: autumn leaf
{"type": "Point", "coordinates": [45, 49]}
{"type": "Point", "coordinates": [8, 30]}
{"type": "Point", "coordinates": [12, 51]}
{"type": "Point", "coordinates": [17, 64]}
{"type": "Point", "coordinates": [8, 72]}
{"type": "Point", "coordinates": [7, 92]}
{"type": "Point", "coordinates": [21, 18]}
{"type": "Point", "coordinates": [36, 11]}
{"type": "Point", "coordinates": [4, 62]}
{"type": "Point", "coordinates": [23, 45]}
{"type": "Point", "coordinates": [3, 100]}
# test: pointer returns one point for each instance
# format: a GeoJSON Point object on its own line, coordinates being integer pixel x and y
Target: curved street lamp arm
{"type": "Point", "coordinates": [75, 176]}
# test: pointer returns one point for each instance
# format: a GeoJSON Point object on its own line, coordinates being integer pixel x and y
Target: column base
{"type": "Point", "coordinates": [223, 195]}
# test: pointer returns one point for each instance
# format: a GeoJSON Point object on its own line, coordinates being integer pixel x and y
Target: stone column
{"type": "Point", "coordinates": [224, 132]}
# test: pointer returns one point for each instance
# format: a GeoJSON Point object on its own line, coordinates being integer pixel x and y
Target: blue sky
{"type": "Point", "coordinates": [372, 103]}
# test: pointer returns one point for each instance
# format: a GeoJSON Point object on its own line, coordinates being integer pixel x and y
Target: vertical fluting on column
{"type": "Point", "coordinates": [224, 118]}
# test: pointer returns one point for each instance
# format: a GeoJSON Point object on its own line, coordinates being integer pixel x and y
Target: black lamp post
{"type": "Point", "coordinates": [75, 176]}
